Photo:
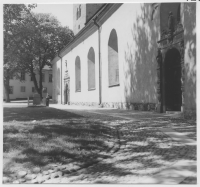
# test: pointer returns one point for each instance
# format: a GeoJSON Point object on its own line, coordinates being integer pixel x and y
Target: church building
{"type": "Point", "coordinates": [137, 56]}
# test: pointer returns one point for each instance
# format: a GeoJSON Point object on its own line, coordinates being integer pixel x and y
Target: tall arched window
{"type": "Point", "coordinates": [79, 11]}
{"type": "Point", "coordinates": [78, 74]}
{"type": "Point", "coordinates": [113, 64]}
{"type": "Point", "coordinates": [77, 14]}
{"type": "Point", "coordinates": [91, 69]}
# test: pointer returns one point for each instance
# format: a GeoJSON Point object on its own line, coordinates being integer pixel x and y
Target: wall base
{"type": "Point", "coordinates": [187, 114]}
{"type": "Point", "coordinates": [190, 114]}
{"type": "Point", "coordinates": [120, 105]}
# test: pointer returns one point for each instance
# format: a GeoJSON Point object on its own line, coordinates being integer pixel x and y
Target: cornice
{"type": "Point", "coordinates": [101, 16]}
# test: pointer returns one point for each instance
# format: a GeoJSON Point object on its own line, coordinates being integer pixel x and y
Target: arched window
{"type": "Point", "coordinates": [91, 69]}
{"type": "Point", "coordinates": [79, 11]}
{"type": "Point", "coordinates": [77, 14]}
{"type": "Point", "coordinates": [78, 74]}
{"type": "Point", "coordinates": [113, 64]}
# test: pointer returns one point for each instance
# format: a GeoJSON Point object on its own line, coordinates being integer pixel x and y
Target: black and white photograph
{"type": "Point", "coordinates": [97, 92]}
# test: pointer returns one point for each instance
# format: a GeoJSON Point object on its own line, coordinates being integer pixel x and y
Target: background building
{"type": "Point", "coordinates": [139, 56]}
{"type": "Point", "coordinates": [25, 88]}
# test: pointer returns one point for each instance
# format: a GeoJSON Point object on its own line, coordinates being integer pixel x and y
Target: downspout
{"type": "Point", "coordinates": [99, 41]}
{"type": "Point", "coordinates": [61, 78]}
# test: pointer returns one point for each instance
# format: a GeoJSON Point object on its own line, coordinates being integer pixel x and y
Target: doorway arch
{"type": "Point", "coordinates": [67, 93]}
{"type": "Point", "coordinates": [172, 80]}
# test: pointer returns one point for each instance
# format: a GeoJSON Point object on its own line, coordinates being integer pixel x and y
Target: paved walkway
{"type": "Point", "coordinates": [141, 164]}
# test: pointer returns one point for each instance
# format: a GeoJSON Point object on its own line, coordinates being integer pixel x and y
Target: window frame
{"type": "Point", "coordinates": [113, 34]}
{"type": "Point", "coordinates": [77, 82]}
{"type": "Point", "coordinates": [23, 76]}
{"type": "Point", "coordinates": [31, 78]}
{"type": "Point", "coordinates": [43, 77]}
{"type": "Point", "coordinates": [79, 11]}
{"type": "Point", "coordinates": [33, 89]}
{"type": "Point", "coordinates": [50, 75]}
{"type": "Point", "coordinates": [91, 50]}
{"type": "Point", "coordinates": [11, 88]}
{"type": "Point", "coordinates": [21, 90]}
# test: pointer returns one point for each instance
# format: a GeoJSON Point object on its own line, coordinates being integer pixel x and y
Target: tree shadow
{"type": "Point", "coordinates": [143, 157]}
{"type": "Point", "coordinates": [35, 113]}
{"type": "Point", "coordinates": [140, 56]}
{"type": "Point", "coordinates": [140, 61]}
{"type": "Point", "coordinates": [108, 154]}
{"type": "Point", "coordinates": [190, 55]}
{"type": "Point", "coordinates": [56, 137]}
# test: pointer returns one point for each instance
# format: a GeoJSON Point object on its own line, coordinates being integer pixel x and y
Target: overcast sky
{"type": "Point", "coordinates": [63, 12]}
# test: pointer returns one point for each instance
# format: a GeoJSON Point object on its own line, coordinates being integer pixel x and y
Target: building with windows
{"type": "Point", "coordinates": [139, 56]}
{"type": "Point", "coordinates": [23, 88]}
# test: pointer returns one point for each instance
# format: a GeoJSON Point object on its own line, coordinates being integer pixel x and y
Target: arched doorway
{"type": "Point", "coordinates": [172, 80]}
{"type": "Point", "coordinates": [66, 98]}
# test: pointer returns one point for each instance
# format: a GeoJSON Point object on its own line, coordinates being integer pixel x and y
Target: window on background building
{"type": "Point", "coordinates": [113, 63]}
{"type": "Point", "coordinates": [91, 69]}
{"type": "Point", "coordinates": [50, 77]}
{"type": "Point", "coordinates": [33, 89]}
{"type": "Point", "coordinates": [22, 76]}
{"type": "Point", "coordinates": [31, 78]}
{"type": "Point", "coordinates": [23, 89]}
{"type": "Point", "coordinates": [10, 89]}
{"type": "Point", "coordinates": [43, 77]}
{"type": "Point", "coordinates": [78, 74]}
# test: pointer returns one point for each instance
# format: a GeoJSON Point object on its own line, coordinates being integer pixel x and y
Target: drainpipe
{"type": "Point", "coordinates": [61, 78]}
{"type": "Point", "coordinates": [99, 41]}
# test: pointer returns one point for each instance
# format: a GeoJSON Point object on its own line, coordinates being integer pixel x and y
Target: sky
{"type": "Point", "coordinates": [63, 12]}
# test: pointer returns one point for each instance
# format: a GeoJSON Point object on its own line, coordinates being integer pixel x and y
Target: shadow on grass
{"type": "Point", "coordinates": [55, 136]}
{"type": "Point", "coordinates": [77, 137]}
{"type": "Point", "coordinates": [35, 113]}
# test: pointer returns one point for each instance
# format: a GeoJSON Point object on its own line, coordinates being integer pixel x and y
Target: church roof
{"type": "Point", "coordinates": [100, 16]}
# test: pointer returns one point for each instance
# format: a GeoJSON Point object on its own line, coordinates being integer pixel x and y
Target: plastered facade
{"type": "Point", "coordinates": [28, 84]}
{"type": "Point", "coordinates": [138, 31]}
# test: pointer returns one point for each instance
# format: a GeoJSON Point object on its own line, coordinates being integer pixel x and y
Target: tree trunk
{"type": "Point", "coordinates": [7, 87]}
{"type": "Point", "coordinates": [35, 83]}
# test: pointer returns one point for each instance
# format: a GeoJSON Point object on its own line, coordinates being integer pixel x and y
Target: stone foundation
{"type": "Point", "coordinates": [84, 103]}
{"type": "Point", "coordinates": [120, 105]}
{"type": "Point", "coordinates": [190, 114]}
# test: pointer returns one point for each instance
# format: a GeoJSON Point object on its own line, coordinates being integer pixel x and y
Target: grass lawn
{"type": "Point", "coordinates": [37, 137]}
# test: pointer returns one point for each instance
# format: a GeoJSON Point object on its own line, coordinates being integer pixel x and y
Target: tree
{"type": "Point", "coordinates": [40, 39]}
{"type": "Point", "coordinates": [13, 18]}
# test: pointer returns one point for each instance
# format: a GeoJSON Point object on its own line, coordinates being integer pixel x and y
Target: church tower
{"type": "Point", "coordinates": [82, 13]}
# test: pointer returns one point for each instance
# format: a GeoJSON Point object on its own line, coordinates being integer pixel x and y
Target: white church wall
{"type": "Point", "coordinates": [137, 49]}
{"type": "Point", "coordinates": [82, 50]}
{"type": "Point", "coordinates": [56, 91]}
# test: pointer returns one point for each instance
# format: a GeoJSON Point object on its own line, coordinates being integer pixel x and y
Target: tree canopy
{"type": "Point", "coordinates": [33, 40]}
